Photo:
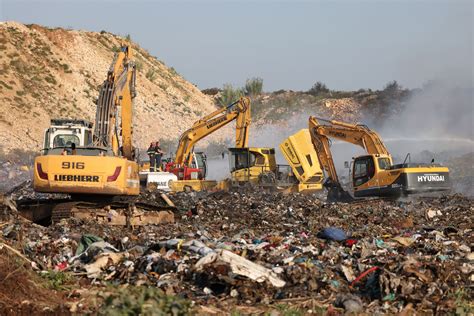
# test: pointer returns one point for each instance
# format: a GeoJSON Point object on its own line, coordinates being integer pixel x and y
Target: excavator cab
{"type": "Point", "coordinates": [62, 133]}
{"type": "Point", "coordinates": [376, 175]}
{"type": "Point", "coordinates": [252, 165]}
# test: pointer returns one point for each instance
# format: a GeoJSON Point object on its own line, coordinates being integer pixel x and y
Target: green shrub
{"type": "Point", "coordinates": [229, 95]}
{"type": "Point", "coordinates": [173, 71]}
{"type": "Point", "coordinates": [115, 49]}
{"type": "Point", "coordinates": [139, 65]}
{"type": "Point", "coordinates": [66, 68]}
{"type": "Point", "coordinates": [151, 74]}
{"type": "Point", "coordinates": [253, 87]}
{"type": "Point", "coordinates": [58, 280]}
{"type": "Point", "coordinates": [6, 85]}
{"type": "Point", "coordinates": [318, 88]}
{"type": "Point", "coordinates": [143, 301]}
{"type": "Point", "coordinates": [50, 79]}
{"type": "Point", "coordinates": [163, 86]}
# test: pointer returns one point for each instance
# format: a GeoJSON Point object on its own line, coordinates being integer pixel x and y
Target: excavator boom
{"type": "Point", "coordinates": [239, 111]}
{"type": "Point", "coordinates": [118, 90]}
{"type": "Point", "coordinates": [356, 134]}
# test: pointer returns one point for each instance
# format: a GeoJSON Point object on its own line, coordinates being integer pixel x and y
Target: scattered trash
{"type": "Point", "coordinates": [351, 303]}
{"type": "Point", "coordinates": [246, 248]}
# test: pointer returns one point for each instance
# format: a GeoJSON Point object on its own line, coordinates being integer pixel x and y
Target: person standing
{"type": "Point", "coordinates": [73, 149]}
{"type": "Point", "coordinates": [158, 155]}
{"type": "Point", "coordinates": [151, 155]}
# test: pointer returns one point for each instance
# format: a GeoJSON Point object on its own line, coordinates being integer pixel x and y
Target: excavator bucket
{"type": "Point", "coordinates": [336, 193]}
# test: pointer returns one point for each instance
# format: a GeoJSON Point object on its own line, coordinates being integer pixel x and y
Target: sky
{"type": "Point", "coordinates": [290, 44]}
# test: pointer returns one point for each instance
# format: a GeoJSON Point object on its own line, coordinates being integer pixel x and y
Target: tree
{"type": "Point", "coordinates": [318, 88]}
{"type": "Point", "coordinates": [392, 89]}
{"type": "Point", "coordinates": [253, 87]}
{"type": "Point", "coordinates": [229, 94]}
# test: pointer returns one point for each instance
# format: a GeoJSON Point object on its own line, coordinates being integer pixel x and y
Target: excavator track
{"type": "Point", "coordinates": [47, 211]}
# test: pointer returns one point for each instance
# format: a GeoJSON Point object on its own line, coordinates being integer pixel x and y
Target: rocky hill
{"type": "Point", "coordinates": [49, 73]}
{"type": "Point", "coordinates": [348, 106]}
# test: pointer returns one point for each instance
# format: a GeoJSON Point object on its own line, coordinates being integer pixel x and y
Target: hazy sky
{"type": "Point", "coordinates": [290, 44]}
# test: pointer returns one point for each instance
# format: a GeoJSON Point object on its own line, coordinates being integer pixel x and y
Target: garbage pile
{"type": "Point", "coordinates": [12, 174]}
{"type": "Point", "coordinates": [230, 249]}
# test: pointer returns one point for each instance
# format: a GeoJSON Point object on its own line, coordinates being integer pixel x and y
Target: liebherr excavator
{"type": "Point", "coordinates": [373, 174]}
{"type": "Point", "coordinates": [73, 162]}
{"type": "Point", "coordinates": [95, 169]}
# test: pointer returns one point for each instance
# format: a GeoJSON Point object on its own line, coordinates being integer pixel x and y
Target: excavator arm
{"type": "Point", "coordinates": [322, 145]}
{"type": "Point", "coordinates": [239, 111]}
{"type": "Point", "coordinates": [113, 129]}
{"type": "Point", "coordinates": [356, 134]}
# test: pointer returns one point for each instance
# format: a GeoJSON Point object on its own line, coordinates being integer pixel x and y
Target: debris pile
{"type": "Point", "coordinates": [228, 250]}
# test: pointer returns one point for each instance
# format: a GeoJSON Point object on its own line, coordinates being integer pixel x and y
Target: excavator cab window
{"type": "Point", "coordinates": [87, 138]}
{"type": "Point", "coordinates": [364, 170]}
{"type": "Point", "coordinates": [241, 159]}
{"type": "Point", "coordinates": [260, 160]}
{"type": "Point", "coordinates": [65, 140]}
{"type": "Point", "coordinates": [384, 163]}
{"type": "Point", "coordinates": [46, 138]}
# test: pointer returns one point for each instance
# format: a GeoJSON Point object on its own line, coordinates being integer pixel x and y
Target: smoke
{"type": "Point", "coordinates": [273, 135]}
{"type": "Point", "coordinates": [437, 118]}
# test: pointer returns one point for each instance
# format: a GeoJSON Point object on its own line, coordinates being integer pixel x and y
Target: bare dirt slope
{"type": "Point", "coordinates": [47, 73]}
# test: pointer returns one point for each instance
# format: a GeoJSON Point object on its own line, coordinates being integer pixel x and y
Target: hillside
{"type": "Point", "coordinates": [48, 73]}
{"type": "Point", "coordinates": [348, 106]}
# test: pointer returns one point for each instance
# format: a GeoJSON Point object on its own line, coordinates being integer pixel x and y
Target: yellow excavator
{"type": "Point", "coordinates": [189, 168]}
{"type": "Point", "coordinates": [256, 166]}
{"type": "Point", "coordinates": [373, 174]}
{"type": "Point", "coordinates": [94, 169]}
{"type": "Point", "coordinates": [249, 165]}
{"type": "Point", "coordinates": [75, 161]}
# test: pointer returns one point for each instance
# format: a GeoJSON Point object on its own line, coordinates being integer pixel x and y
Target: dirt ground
{"type": "Point", "coordinates": [24, 292]}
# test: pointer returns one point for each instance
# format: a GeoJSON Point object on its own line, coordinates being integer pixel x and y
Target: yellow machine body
{"type": "Point", "coordinates": [78, 174]}
{"type": "Point", "coordinates": [73, 162]}
{"type": "Point", "coordinates": [257, 165]}
{"type": "Point", "coordinates": [299, 153]}
{"type": "Point", "coordinates": [248, 164]}
{"type": "Point", "coordinates": [193, 185]}
{"type": "Point", "coordinates": [374, 175]}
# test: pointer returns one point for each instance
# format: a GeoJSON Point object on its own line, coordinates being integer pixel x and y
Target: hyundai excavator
{"type": "Point", "coordinates": [190, 167]}
{"type": "Point", "coordinates": [374, 174]}
{"type": "Point", "coordinates": [94, 167]}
